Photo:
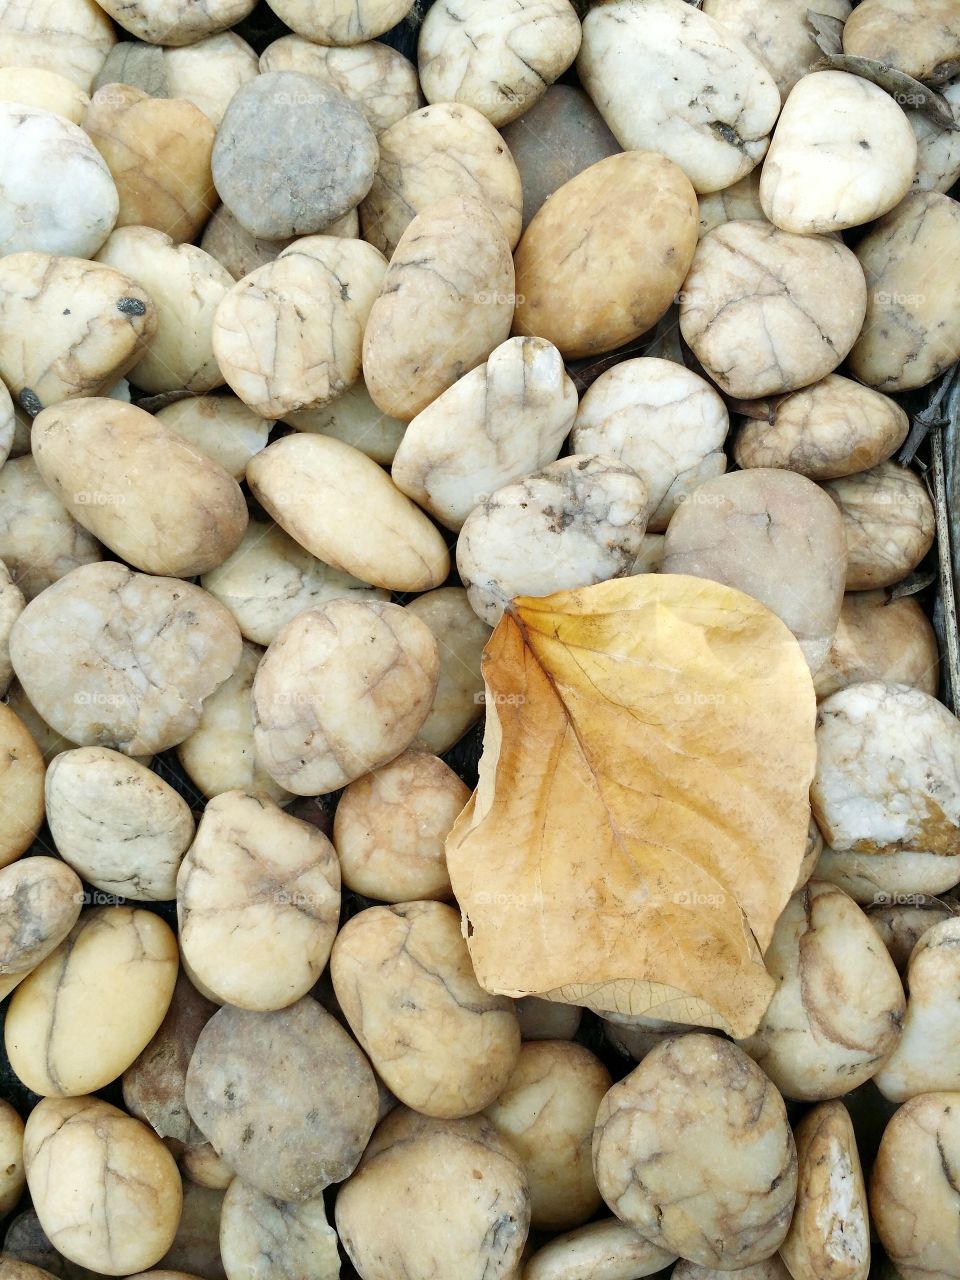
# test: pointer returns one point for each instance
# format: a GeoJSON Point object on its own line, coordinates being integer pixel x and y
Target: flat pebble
{"type": "Point", "coordinates": [40, 899]}
{"type": "Point", "coordinates": [880, 639]}
{"type": "Point", "coordinates": [69, 37]}
{"type": "Point", "coordinates": [21, 787]}
{"type": "Point", "coordinates": [888, 524]}
{"type": "Point", "coordinates": [40, 541]}
{"type": "Point", "coordinates": [266, 1239]}
{"type": "Point", "coordinates": [603, 1250]}
{"type": "Point", "coordinates": [460, 637]}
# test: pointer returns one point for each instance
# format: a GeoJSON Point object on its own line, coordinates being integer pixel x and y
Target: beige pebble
{"type": "Point", "coordinates": [739, 203]}
{"type": "Point", "coordinates": [176, 22]}
{"type": "Point", "coordinates": [49, 742]}
{"type": "Point", "coordinates": [258, 901]}
{"type": "Point", "coordinates": [69, 37]}
{"type": "Point", "coordinates": [888, 523]}
{"type": "Point", "coordinates": [446, 301]}
{"type": "Point", "coordinates": [12, 1177]}
{"type": "Point", "coordinates": [342, 22]}
{"type": "Point", "coordinates": [405, 983]}
{"type": "Point", "coordinates": [460, 637]}
{"type": "Point", "coordinates": [780, 37]}
{"type": "Point", "coordinates": [693, 1149]}
{"type": "Point", "coordinates": [880, 639]}
{"type": "Point", "coordinates": [390, 827]}
{"type": "Point", "coordinates": [40, 899]}
{"type": "Point", "coordinates": [105, 1188]}
{"type": "Point", "coordinates": [266, 1239]}
{"type": "Point", "coordinates": [209, 72]}
{"type": "Point", "coordinates": [286, 1097]}
{"type": "Point", "coordinates": [21, 787]}
{"type": "Point", "coordinates": [40, 541]}
{"type": "Point", "coordinates": [9, 427]}
{"type": "Point", "coordinates": [923, 42]}
{"type": "Point", "coordinates": [168, 138]}
{"type": "Point", "coordinates": [546, 1019]}
{"type": "Point", "coordinates": [221, 427]}
{"type": "Point", "coordinates": [240, 252]}
{"type": "Point", "coordinates": [435, 1197]}
{"type": "Point", "coordinates": [365, 526]}
{"type": "Point", "coordinates": [103, 459]}
{"type": "Point", "coordinates": [603, 1250]}
{"type": "Point", "coordinates": [83, 1015]}
{"type": "Point", "coordinates": [356, 420]}
{"type": "Point", "coordinates": [11, 606]}
{"type": "Point", "coordinates": [901, 919]}
{"type": "Point", "coordinates": [36, 87]}
{"type": "Point", "coordinates": [205, 1167]}
{"type": "Point", "coordinates": [938, 149]}
{"type": "Point", "coordinates": [871, 878]}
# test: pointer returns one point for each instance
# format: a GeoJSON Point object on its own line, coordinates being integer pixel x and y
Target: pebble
{"type": "Point", "coordinates": [390, 827]}
{"type": "Point", "coordinates": [843, 154]}
{"type": "Point", "coordinates": [170, 139]}
{"type": "Point", "coordinates": [838, 1007]}
{"type": "Point", "coordinates": [116, 823]}
{"type": "Point", "coordinates": [594, 272]}
{"type": "Point", "coordinates": [770, 534]}
{"type": "Point", "coordinates": [494, 426]}
{"type": "Point", "coordinates": [912, 331]}
{"type": "Point", "coordinates": [41, 156]}
{"type": "Point", "coordinates": [693, 1150]}
{"type": "Point", "coordinates": [139, 487]}
{"type": "Point", "coordinates": [356, 420]}
{"type": "Point", "coordinates": [319, 149]}
{"type": "Point", "coordinates": [378, 79]}
{"type": "Point", "coordinates": [870, 878]}
{"type": "Point", "coordinates": [114, 658]}
{"type": "Point", "coordinates": [669, 78]}
{"type": "Point", "coordinates": [460, 637]}
{"type": "Point", "coordinates": [221, 427]}
{"type": "Point", "coordinates": [62, 1036]}
{"type": "Point", "coordinates": [35, 87]}
{"type": "Point", "coordinates": [286, 1097]}
{"type": "Point", "coordinates": [12, 1176]}
{"type": "Point", "coordinates": [69, 37]}
{"type": "Point", "coordinates": [779, 37]}
{"type": "Point", "coordinates": [11, 606]}
{"type": "Point", "coordinates": [766, 311]}
{"type": "Point", "coordinates": [938, 149]}
{"type": "Point", "coordinates": [21, 787]}
{"type": "Point", "coordinates": [343, 22]}
{"type": "Point", "coordinates": [546, 1019]}
{"type": "Point", "coordinates": [435, 1197]}
{"type": "Point", "coordinates": [40, 541]}
{"type": "Point", "coordinates": [833, 428]}
{"type": "Point", "coordinates": [444, 150]}
{"type": "Point", "coordinates": [925, 43]}
{"type": "Point", "coordinates": [662, 420]}
{"type": "Point", "coordinates": [574, 523]}
{"type": "Point", "coordinates": [288, 336]}
{"type": "Point", "coordinates": [739, 203]}
{"type": "Point", "coordinates": [176, 22]}
{"type": "Point", "coordinates": [365, 526]}
{"type": "Point", "coordinates": [880, 639]}
{"type": "Point", "coordinates": [341, 691]}
{"type": "Point", "coordinates": [498, 56]}
{"type": "Point", "coordinates": [888, 524]}
{"type": "Point", "coordinates": [900, 924]}
{"type": "Point", "coordinates": [203, 1166]}
{"type": "Point", "coordinates": [258, 902]}
{"type": "Point", "coordinates": [603, 1250]}
{"type": "Point", "coordinates": [209, 72]}
{"type": "Point", "coordinates": [266, 1239]}
{"type": "Point", "coordinates": [40, 900]}
{"type": "Point", "coordinates": [887, 772]}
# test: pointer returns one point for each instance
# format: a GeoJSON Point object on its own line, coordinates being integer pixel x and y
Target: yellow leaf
{"type": "Point", "coordinates": [642, 808]}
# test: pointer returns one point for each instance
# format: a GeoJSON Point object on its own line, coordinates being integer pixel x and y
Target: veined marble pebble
{"type": "Point", "coordinates": [604, 1250]}
{"type": "Point", "coordinates": [48, 90]}
{"type": "Point", "coordinates": [460, 637]}
{"type": "Point", "coordinates": [69, 37]}
{"type": "Point", "coordinates": [871, 878]}
{"type": "Point", "coordinates": [341, 22]}
{"type": "Point", "coordinates": [262, 1238]}
{"type": "Point", "coordinates": [662, 420]}
{"type": "Point", "coordinates": [41, 156]}
{"type": "Point", "coordinates": [780, 36]}
{"type": "Point", "coordinates": [574, 523]}
{"type": "Point", "coordinates": [888, 523]}
{"type": "Point", "coordinates": [900, 924]}
{"type": "Point", "coordinates": [209, 72]}
{"type": "Point", "coordinates": [222, 427]}
{"type": "Point", "coordinates": [494, 426]}
{"type": "Point", "coordinates": [353, 418]}
{"type": "Point", "coordinates": [176, 22]}
{"type": "Point", "coordinates": [924, 42]}
{"type": "Point", "coordinates": [668, 78]}
{"type": "Point", "coordinates": [21, 787]}
{"type": "Point", "coordinates": [938, 149]}
{"type": "Point", "coordinates": [739, 203]}
{"type": "Point", "coordinates": [40, 899]}
{"type": "Point", "coordinates": [880, 639]}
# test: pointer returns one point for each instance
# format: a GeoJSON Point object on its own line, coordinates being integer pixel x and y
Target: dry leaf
{"type": "Point", "coordinates": [642, 809]}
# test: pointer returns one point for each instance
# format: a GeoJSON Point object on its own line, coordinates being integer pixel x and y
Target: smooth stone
{"type": "Point", "coordinates": [168, 138]}
{"type": "Point", "coordinates": [662, 420]}
{"type": "Point", "coordinates": [780, 37]}
{"type": "Point", "coordinates": [902, 921]}
{"type": "Point", "coordinates": [49, 742]}
{"type": "Point", "coordinates": [650, 557]}
{"type": "Point", "coordinates": [240, 252]}
{"type": "Point", "coordinates": [9, 426]}
{"type": "Point", "coordinates": [137, 64]}
{"type": "Point", "coordinates": [341, 691]}
{"type": "Point", "coordinates": [219, 754]}
{"type": "Point", "coordinates": [912, 328]}
{"type": "Point", "coordinates": [12, 1176]}
{"type": "Point", "coordinates": [221, 427]}
{"type": "Point", "coordinates": [21, 787]}
{"type": "Point", "coordinates": [829, 1237]}
{"type": "Point", "coordinates": [435, 1197]}
{"type": "Point", "coordinates": [56, 302]}
{"type": "Point", "coordinates": [195, 1251]}
{"type": "Point", "coordinates": [105, 1188]}
{"type": "Point", "coordinates": [694, 1151]}
{"type": "Point", "coordinates": [378, 79]}
{"type": "Point", "coordinates": [316, 144]}
{"type": "Point", "coordinates": [154, 1085]}
{"type": "Point", "coordinates": [364, 527]}
{"type": "Point", "coordinates": [926, 1057]}
{"type": "Point", "coordinates": [266, 1239]}
{"type": "Point", "coordinates": [924, 42]}
{"type": "Point", "coordinates": [938, 149]}
{"type": "Point", "coordinates": [881, 639]}
{"type": "Point", "coordinates": [69, 37]}
{"type": "Point", "coordinates": [62, 1037]}
{"type": "Point", "coordinates": [888, 524]}
{"type": "Point", "coordinates": [139, 487]}
{"type": "Point", "coordinates": [285, 1096]}
{"type": "Point", "coordinates": [446, 302]}
{"type": "Point", "coordinates": [176, 22]}
{"type": "Point", "coordinates": [44, 155]}
{"type": "Point", "coordinates": [258, 901]}
{"type": "Point", "coordinates": [186, 286]}
{"type": "Point", "coordinates": [766, 311]}
{"type": "Point", "coordinates": [574, 523]}
{"type": "Point", "coordinates": [114, 658]}
{"type": "Point", "coordinates": [356, 420]}
{"type": "Point", "coordinates": [11, 606]}
{"type": "Point", "coordinates": [40, 541]}
{"type": "Point", "coordinates": [460, 637]}
{"type": "Point", "coordinates": [669, 78]}
{"type": "Point", "coordinates": [444, 150]}
{"type": "Point", "coordinates": [390, 827]}
{"type": "Point", "coordinates": [497, 56]}
{"type": "Point", "coordinates": [546, 1019]}
{"type": "Point", "coordinates": [914, 1201]}
{"type": "Point", "coordinates": [35, 87]}
{"type": "Point", "coordinates": [28, 1253]}
{"type": "Point", "coordinates": [843, 154]}
{"type": "Point", "coordinates": [833, 428]}
{"type": "Point", "coordinates": [546, 1112]}
{"type": "Point", "coordinates": [210, 71]}
{"type": "Point", "coordinates": [117, 824]}
{"type": "Point", "coordinates": [838, 1006]}
{"type": "Point", "coordinates": [739, 203]}
{"type": "Point", "coordinates": [203, 1166]}
{"type": "Point", "coordinates": [603, 1250]}
{"type": "Point", "coordinates": [341, 22]}
{"type": "Point", "coordinates": [494, 426]}
{"type": "Point", "coordinates": [596, 270]}
{"type": "Point", "coordinates": [40, 900]}
{"type": "Point", "coordinates": [770, 534]}
{"type": "Point", "coordinates": [872, 878]}
{"type": "Point", "coordinates": [888, 772]}
{"type": "Point", "coordinates": [289, 335]}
